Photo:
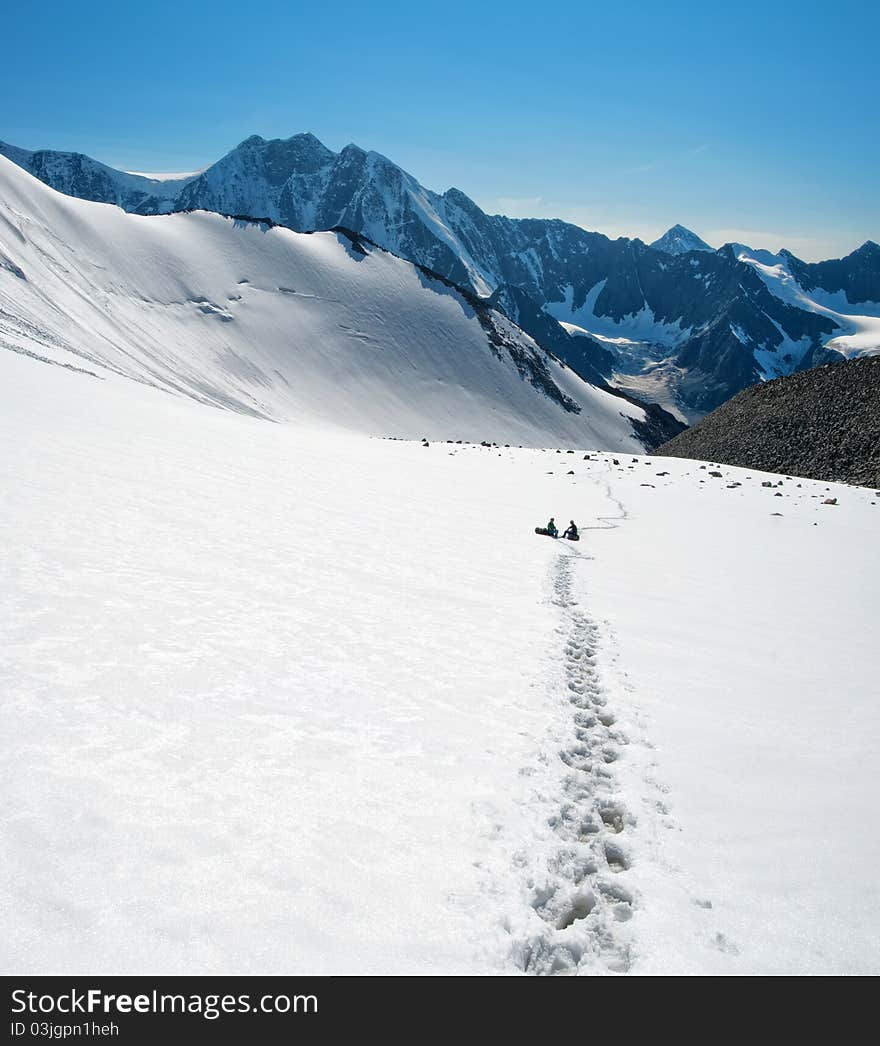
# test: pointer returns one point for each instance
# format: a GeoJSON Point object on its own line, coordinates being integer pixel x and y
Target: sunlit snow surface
{"type": "Point", "coordinates": [293, 700]}
{"type": "Point", "coordinates": [279, 697]}
{"type": "Point", "coordinates": [275, 324]}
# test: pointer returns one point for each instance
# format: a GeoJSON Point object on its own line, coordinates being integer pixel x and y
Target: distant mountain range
{"type": "Point", "coordinates": [285, 326]}
{"type": "Point", "coordinates": [674, 322]}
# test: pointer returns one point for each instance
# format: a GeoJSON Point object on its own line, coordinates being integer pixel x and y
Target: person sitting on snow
{"type": "Point", "coordinates": [572, 531]}
{"type": "Point", "coordinates": [551, 528]}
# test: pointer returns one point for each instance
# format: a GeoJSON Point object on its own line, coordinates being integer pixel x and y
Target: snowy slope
{"type": "Point", "coordinates": [859, 322]}
{"type": "Point", "coordinates": [633, 332]}
{"type": "Point", "coordinates": [743, 647]}
{"type": "Point", "coordinates": [292, 700]}
{"type": "Point", "coordinates": [304, 185]}
{"type": "Point", "coordinates": [280, 325]}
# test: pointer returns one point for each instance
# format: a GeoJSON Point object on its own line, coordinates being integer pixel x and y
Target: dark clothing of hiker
{"type": "Point", "coordinates": [551, 528]}
{"type": "Point", "coordinates": [571, 532]}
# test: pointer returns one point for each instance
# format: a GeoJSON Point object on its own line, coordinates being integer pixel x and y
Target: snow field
{"type": "Point", "coordinates": [268, 689]}
{"type": "Point", "coordinates": [285, 699]}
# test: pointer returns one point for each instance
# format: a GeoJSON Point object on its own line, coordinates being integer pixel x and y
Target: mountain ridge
{"type": "Point", "coordinates": [699, 324]}
{"type": "Point", "coordinates": [283, 326]}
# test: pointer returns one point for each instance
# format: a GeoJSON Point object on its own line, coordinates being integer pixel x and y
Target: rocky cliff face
{"type": "Point", "coordinates": [857, 275]}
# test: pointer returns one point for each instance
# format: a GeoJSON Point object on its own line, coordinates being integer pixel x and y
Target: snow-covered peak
{"type": "Point", "coordinates": [679, 240]}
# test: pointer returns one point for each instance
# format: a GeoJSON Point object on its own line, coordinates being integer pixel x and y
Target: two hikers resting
{"type": "Point", "coordinates": [571, 531]}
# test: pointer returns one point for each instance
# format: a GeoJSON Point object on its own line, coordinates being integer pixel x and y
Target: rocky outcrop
{"type": "Point", "coordinates": [821, 424]}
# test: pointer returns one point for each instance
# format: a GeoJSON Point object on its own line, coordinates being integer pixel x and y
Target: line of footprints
{"type": "Point", "coordinates": [583, 899]}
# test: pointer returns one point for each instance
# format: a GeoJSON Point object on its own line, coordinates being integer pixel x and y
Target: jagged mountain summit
{"type": "Point", "coordinates": [679, 240]}
{"type": "Point", "coordinates": [687, 330]}
{"type": "Point", "coordinates": [284, 326]}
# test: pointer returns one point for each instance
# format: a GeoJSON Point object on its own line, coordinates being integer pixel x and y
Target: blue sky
{"type": "Point", "coordinates": [758, 122]}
